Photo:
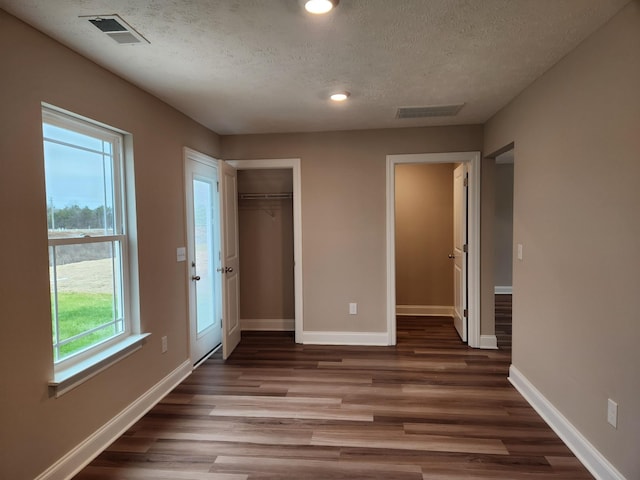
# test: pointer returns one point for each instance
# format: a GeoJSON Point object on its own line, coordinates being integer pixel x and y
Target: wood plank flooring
{"type": "Point", "coordinates": [428, 409]}
{"type": "Point", "coordinates": [503, 320]}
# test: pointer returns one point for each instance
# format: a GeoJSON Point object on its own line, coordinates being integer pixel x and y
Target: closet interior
{"type": "Point", "coordinates": [265, 223]}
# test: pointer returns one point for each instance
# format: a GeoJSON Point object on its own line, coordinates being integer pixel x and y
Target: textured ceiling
{"type": "Point", "coordinates": [257, 66]}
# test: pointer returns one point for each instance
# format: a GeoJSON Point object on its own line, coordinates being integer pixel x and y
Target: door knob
{"type": "Point", "coordinates": [451, 255]}
{"type": "Point", "coordinates": [228, 269]}
{"type": "Point", "coordinates": [195, 278]}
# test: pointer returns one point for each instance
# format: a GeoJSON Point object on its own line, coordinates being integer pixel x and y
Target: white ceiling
{"type": "Point", "coordinates": [258, 66]}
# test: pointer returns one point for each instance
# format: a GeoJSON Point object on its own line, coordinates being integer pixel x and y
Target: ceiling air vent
{"type": "Point", "coordinates": [426, 112]}
{"type": "Point", "coordinates": [116, 28]}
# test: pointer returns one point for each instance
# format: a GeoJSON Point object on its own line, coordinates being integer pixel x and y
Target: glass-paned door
{"type": "Point", "coordinates": [205, 289]}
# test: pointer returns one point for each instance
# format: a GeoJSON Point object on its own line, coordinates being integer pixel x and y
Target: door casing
{"type": "Point", "coordinates": [473, 269]}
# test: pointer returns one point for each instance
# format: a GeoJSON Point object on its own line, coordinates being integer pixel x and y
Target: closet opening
{"type": "Point", "coordinates": [266, 242]}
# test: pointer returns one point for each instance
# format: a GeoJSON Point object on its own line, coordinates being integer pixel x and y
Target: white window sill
{"type": "Point", "coordinates": [69, 378]}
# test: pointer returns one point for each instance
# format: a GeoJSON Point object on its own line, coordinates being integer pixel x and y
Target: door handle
{"type": "Point", "coordinates": [195, 278]}
{"type": "Point", "coordinates": [451, 255]}
{"type": "Point", "coordinates": [225, 269]}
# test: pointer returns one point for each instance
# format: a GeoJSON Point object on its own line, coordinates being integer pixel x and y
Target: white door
{"type": "Point", "coordinates": [203, 236]}
{"type": "Point", "coordinates": [459, 255]}
{"type": "Point", "coordinates": [230, 258]}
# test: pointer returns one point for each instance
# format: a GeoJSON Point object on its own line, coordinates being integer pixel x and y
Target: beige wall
{"type": "Point", "coordinates": [266, 259]}
{"type": "Point", "coordinates": [38, 430]}
{"type": "Point", "coordinates": [343, 212]}
{"type": "Point", "coordinates": [487, 219]}
{"type": "Point", "coordinates": [576, 212]}
{"type": "Point", "coordinates": [503, 225]}
{"type": "Point", "coordinates": [424, 234]}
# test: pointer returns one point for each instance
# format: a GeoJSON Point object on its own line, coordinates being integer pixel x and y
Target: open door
{"type": "Point", "coordinates": [230, 258]}
{"type": "Point", "coordinates": [203, 247]}
{"type": "Point", "coordinates": [459, 255]}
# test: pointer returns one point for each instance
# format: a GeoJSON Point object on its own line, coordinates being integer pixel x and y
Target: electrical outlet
{"type": "Point", "coordinates": [164, 344]}
{"type": "Point", "coordinates": [353, 309]}
{"type": "Point", "coordinates": [612, 413]}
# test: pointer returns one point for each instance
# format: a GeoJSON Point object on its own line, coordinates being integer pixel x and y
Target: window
{"type": "Point", "coordinates": [87, 232]}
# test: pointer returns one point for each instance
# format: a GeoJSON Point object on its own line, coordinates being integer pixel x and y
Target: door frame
{"type": "Point", "coordinates": [189, 155]}
{"type": "Point", "coordinates": [473, 160]}
{"type": "Point", "coordinates": [294, 164]}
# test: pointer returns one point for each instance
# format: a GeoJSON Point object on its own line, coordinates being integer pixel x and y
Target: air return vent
{"type": "Point", "coordinates": [426, 112]}
{"type": "Point", "coordinates": [116, 28]}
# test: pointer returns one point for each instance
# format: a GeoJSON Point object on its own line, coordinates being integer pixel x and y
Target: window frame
{"type": "Point", "coordinates": [79, 366]}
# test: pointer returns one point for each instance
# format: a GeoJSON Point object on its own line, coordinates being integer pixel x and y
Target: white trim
{"type": "Point", "coordinates": [473, 273]}
{"type": "Point", "coordinates": [69, 378]}
{"type": "Point", "coordinates": [590, 457]}
{"type": "Point", "coordinates": [489, 342]}
{"type": "Point", "coordinates": [191, 154]}
{"type": "Point", "coordinates": [345, 338]}
{"type": "Point", "coordinates": [425, 310]}
{"type": "Point", "coordinates": [503, 290]}
{"type": "Point", "coordinates": [294, 164]}
{"type": "Point", "coordinates": [268, 324]}
{"type": "Point", "coordinates": [80, 456]}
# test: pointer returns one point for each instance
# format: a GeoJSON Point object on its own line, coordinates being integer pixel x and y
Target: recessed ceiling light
{"type": "Point", "coordinates": [319, 7]}
{"type": "Point", "coordinates": [340, 96]}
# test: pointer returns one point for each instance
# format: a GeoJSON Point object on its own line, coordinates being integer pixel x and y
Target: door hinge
{"type": "Point", "coordinates": [466, 180]}
{"type": "Point", "coordinates": [220, 323]}
{"type": "Point", "coordinates": [218, 187]}
{"type": "Point", "coordinates": [465, 313]}
{"type": "Point", "coordinates": [465, 248]}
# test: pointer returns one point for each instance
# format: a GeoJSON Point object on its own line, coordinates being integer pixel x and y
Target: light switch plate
{"type": "Point", "coordinates": [353, 309]}
{"type": "Point", "coordinates": [519, 251]}
{"type": "Point", "coordinates": [181, 254]}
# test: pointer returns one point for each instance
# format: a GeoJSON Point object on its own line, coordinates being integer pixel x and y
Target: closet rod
{"type": "Point", "coordinates": [264, 196]}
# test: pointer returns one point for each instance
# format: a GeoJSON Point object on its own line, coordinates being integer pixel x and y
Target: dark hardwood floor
{"type": "Point", "coordinates": [428, 409]}
{"type": "Point", "coordinates": [503, 320]}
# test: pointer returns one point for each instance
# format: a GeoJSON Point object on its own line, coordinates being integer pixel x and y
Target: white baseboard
{"type": "Point", "coordinates": [273, 324]}
{"type": "Point", "coordinates": [505, 290]}
{"type": "Point", "coordinates": [345, 338]}
{"type": "Point", "coordinates": [590, 457]}
{"type": "Point", "coordinates": [91, 447]}
{"type": "Point", "coordinates": [489, 342]}
{"type": "Point", "coordinates": [424, 310]}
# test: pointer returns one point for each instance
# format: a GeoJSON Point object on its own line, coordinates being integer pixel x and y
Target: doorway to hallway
{"type": "Point", "coordinates": [468, 330]}
{"type": "Point", "coordinates": [424, 239]}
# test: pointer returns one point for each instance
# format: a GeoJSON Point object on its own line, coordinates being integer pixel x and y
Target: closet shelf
{"type": "Point", "coordinates": [264, 196]}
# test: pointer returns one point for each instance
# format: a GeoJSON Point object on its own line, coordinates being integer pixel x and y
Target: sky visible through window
{"type": "Point", "coordinates": [77, 175]}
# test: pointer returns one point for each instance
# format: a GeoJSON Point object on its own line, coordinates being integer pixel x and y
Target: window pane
{"type": "Point", "coordinates": [67, 136]}
{"type": "Point", "coordinates": [205, 293]}
{"type": "Point", "coordinates": [86, 303]}
{"type": "Point", "coordinates": [80, 193]}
